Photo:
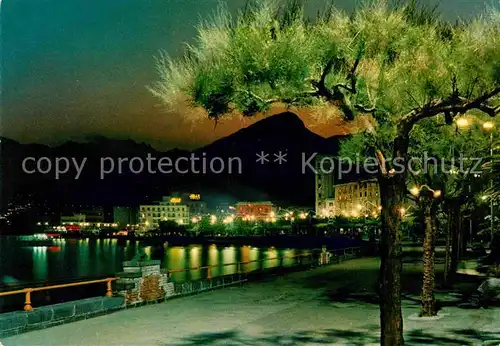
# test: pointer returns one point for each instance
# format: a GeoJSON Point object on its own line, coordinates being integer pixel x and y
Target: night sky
{"type": "Point", "coordinates": [73, 68]}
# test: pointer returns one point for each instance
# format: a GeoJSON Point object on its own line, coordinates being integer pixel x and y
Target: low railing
{"type": "Point", "coordinates": [239, 265]}
{"type": "Point", "coordinates": [28, 291]}
{"type": "Point", "coordinates": [109, 292]}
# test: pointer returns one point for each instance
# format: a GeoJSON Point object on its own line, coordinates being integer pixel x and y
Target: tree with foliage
{"type": "Point", "coordinates": [170, 226]}
{"type": "Point", "coordinates": [207, 227]}
{"type": "Point", "coordinates": [455, 166]}
{"type": "Point", "coordinates": [448, 173]}
{"type": "Point", "coordinates": [385, 69]}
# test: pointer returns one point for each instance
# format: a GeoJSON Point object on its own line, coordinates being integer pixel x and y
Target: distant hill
{"type": "Point", "coordinates": [285, 182]}
{"type": "Point", "coordinates": [284, 133]}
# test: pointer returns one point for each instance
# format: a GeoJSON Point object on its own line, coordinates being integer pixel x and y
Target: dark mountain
{"type": "Point", "coordinates": [291, 180]}
{"type": "Point", "coordinates": [117, 171]}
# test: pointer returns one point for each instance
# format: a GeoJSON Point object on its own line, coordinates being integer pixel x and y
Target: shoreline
{"type": "Point", "coordinates": [282, 241]}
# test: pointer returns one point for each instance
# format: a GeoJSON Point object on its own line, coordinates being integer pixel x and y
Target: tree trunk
{"type": "Point", "coordinates": [392, 193]}
{"type": "Point", "coordinates": [428, 300]}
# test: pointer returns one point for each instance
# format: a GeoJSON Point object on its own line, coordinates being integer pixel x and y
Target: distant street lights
{"type": "Point", "coordinates": [213, 219]}
{"type": "Point", "coordinates": [228, 220]}
{"type": "Point", "coordinates": [489, 127]}
{"type": "Point", "coordinates": [363, 207]}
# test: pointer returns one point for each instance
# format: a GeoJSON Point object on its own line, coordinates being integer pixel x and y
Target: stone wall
{"type": "Point", "coordinates": [192, 287]}
{"type": "Point", "coordinates": [142, 282]}
{"type": "Point", "coordinates": [16, 322]}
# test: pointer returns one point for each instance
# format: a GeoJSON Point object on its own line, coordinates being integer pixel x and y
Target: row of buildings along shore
{"type": "Point", "coordinates": [354, 197]}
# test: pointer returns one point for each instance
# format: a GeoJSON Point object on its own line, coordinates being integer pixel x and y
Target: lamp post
{"type": "Point", "coordinates": [415, 191]}
{"type": "Point", "coordinates": [489, 126]}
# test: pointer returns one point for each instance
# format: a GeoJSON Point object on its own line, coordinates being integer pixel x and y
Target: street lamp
{"type": "Point", "coordinates": [462, 122]}
{"type": "Point", "coordinates": [489, 126]}
{"type": "Point", "coordinates": [415, 191]}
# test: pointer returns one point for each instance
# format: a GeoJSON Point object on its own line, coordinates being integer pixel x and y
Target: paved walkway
{"type": "Point", "coordinates": [326, 306]}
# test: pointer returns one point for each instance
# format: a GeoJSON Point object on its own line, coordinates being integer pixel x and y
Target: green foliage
{"type": "Point", "coordinates": [169, 226]}
{"type": "Point", "coordinates": [456, 162]}
{"type": "Point", "coordinates": [455, 156]}
{"type": "Point", "coordinates": [353, 147]}
{"type": "Point", "coordinates": [407, 58]}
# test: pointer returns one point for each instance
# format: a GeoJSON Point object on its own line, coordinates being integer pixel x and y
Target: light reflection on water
{"type": "Point", "coordinates": [40, 263]}
{"type": "Point", "coordinates": [195, 261]}
{"type": "Point", "coordinates": [82, 259]}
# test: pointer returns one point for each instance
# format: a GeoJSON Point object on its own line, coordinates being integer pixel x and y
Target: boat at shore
{"type": "Point", "coordinates": [39, 239]}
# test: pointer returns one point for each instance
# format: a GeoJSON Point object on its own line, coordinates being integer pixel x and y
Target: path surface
{"type": "Point", "coordinates": [327, 306]}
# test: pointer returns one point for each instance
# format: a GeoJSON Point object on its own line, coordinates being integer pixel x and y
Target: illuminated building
{"type": "Point", "coordinates": [352, 198]}
{"type": "Point", "coordinates": [255, 211]}
{"type": "Point", "coordinates": [170, 208]}
{"type": "Point", "coordinates": [327, 208]}
{"type": "Point", "coordinates": [197, 207]}
{"type": "Point", "coordinates": [357, 199]}
{"type": "Point", "coordinates": [323, 183]}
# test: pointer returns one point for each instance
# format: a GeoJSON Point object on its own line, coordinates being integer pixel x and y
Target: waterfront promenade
{"type": "Point", "coordinates": [331, 305]}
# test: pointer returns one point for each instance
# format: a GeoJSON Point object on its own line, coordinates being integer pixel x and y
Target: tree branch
{"type": "Point", "coordinates": [335, 96]}
{"type": "Point", "coordinates": [491, 111]}
{"type": "Point", "coordinates": [364, 109]}
{"type": "Point", "coordinates": [410, 196]}
{"type": "Point", "coordinates": [451, 106]}
{"type": "Point", "coordinates": [381, 162]}
{"type": "Point", "coordinates": [257, 97]}
{"type": "Point", "coordinates": [352, 78]}
{"type": "Point", "coordinates": [326, 71]}
{"type": "Point", "coordinates": [448, 117]}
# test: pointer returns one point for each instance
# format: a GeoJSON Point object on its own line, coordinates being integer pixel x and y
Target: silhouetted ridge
{"type": "Point", "coordinates": [286, 120]}
{"type": "Point", "coordinates": [283, 133]}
